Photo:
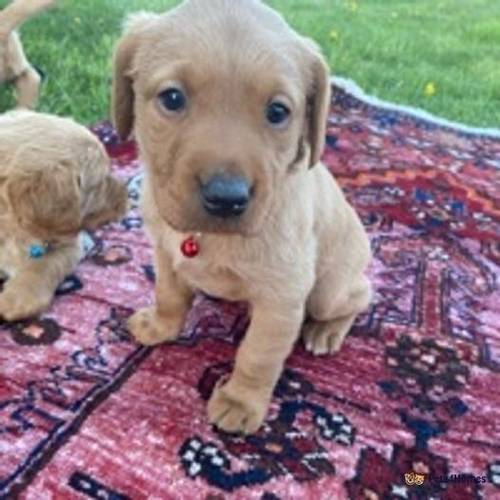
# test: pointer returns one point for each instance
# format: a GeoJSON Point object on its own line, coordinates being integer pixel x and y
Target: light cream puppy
{"type": "Point", "coordinates": [229, 107]}
{"type": "Point", "coordinates": [14, 66]}
{"type": "Point", "coordinates": [54, 182]}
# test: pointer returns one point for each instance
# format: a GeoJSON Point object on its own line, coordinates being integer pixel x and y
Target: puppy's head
{"type": "Point", "coordinates": [54, 201]}
{"type": "Point", "coordinates": [227, 102]}
{"type": "Point", "coordinates": [45, 202]}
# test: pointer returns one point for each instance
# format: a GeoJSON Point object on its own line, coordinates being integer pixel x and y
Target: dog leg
{"type": "Point", "coordinates": [27, 87]}
{"type": "Point", "coordinates": [332, 318]}
{"type": "Point", "coordinates": [241, 404]}
{"type": "Point", "coordinates": [30, 291]}
{"type": "Point", "coordinates": [162, 322]}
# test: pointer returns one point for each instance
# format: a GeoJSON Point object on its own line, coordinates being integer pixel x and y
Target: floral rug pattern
{"type": "Point", "coordinates": [408, 409]}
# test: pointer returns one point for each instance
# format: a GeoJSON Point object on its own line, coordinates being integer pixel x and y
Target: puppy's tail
{"type": "Point", "coordinates": [18, 12]}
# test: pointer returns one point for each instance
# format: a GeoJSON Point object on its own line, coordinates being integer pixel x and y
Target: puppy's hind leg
{"type": "Point", "coordinates": [332, 314]}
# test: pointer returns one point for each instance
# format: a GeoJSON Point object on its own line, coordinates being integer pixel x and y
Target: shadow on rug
{"type": "Point", "coordinates": [410, 407]}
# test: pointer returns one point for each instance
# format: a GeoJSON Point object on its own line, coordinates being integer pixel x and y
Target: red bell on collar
{"type": "Point", "coordinates": [190, 247]}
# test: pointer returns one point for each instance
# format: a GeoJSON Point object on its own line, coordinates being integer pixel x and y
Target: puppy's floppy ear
{"type": "Point", "coordinates": [47, 199]}
{"type": "Point", "coordinates": [123, 69]}
{"type": "Point", "coordinates": [122, 100]}
{"type": "Point", "coordinates": [109, 203]}
{"type": "Point", "coordinates": [318, 100]}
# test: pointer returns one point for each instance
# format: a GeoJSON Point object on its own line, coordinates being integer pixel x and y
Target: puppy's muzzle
{"type": "Point", "coordinates": [226, 195]}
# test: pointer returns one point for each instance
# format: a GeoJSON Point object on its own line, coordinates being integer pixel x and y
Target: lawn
{"type": "Point", "coordinates": [392, 48]}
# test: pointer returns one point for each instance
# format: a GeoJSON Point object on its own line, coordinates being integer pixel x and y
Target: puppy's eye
{"type": "Point", "coordinates": [277, 113]}
{"type": "Point", "coordinates": [173, 100]}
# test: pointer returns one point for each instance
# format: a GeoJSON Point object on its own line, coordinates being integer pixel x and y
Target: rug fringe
{"type": "Point", "coordinates": [354, 89]}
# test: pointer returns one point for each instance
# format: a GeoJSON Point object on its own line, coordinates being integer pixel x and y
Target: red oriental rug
{"type": "Point", "coordinates": [409, 409]}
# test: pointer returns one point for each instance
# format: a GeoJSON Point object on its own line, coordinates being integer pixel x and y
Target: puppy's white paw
{"type": "Point", "coordinates": [326, 337]}
{"type": "Point", "coordinates": [17, 304]}
{"type": "Point", "coordinates": [237, 411]}
{"type": "Point", "coordinates": [148, 328]}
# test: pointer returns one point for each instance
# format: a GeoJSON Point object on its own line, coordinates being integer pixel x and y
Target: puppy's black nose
{"type": "Point", "coordinates": [225, 195]}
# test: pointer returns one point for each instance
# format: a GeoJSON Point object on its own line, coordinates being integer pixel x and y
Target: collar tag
{"type": "Point", "coordinates": [37, 251]}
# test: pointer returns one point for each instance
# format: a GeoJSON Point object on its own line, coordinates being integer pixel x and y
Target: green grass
{"type": "Point", "coordinates": [392, 48]}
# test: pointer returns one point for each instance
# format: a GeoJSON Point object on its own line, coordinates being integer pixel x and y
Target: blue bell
{"type": "Point", "coordinates": [37, 251]}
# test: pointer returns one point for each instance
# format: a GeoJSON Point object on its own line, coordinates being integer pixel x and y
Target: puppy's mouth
{"type": "Point", "coordinates": [213, 225]}
{"type": "Point", "coordinates": [209, 218]}
{"type": "Point", "coordinates": [235, 210]}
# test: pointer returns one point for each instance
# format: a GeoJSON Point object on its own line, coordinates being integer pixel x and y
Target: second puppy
{"type": "Point", "coordinates": [54, 182]}
{"type": "Point", "coordinates": [14, 66]}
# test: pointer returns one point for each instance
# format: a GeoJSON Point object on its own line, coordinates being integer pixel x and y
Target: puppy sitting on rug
{"type": "Point", "coordinates": [230, 107]}
{"type": "Point", "coordinates": [14, 67]}
{"type": "Point", "coordinates": [54, 182]}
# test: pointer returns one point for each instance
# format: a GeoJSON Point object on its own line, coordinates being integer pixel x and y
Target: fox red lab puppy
{"type": "Point", "coordinates": [229, 106]}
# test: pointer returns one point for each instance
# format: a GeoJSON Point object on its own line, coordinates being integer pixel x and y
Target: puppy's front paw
{"type": "Point", "coordinates": [21, 303]}
{"type": "Point", "coordinates": [326, 337]}
{"type": "Point", "coordinates": [234, 410]}
{"type": "Point", "coordinates": [148, 328]}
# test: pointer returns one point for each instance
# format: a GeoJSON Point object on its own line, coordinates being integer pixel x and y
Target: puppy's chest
{"type": "Point", "coordinates": [211, 271]}
{"type": "Point", "coordinates": [211, 276]}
